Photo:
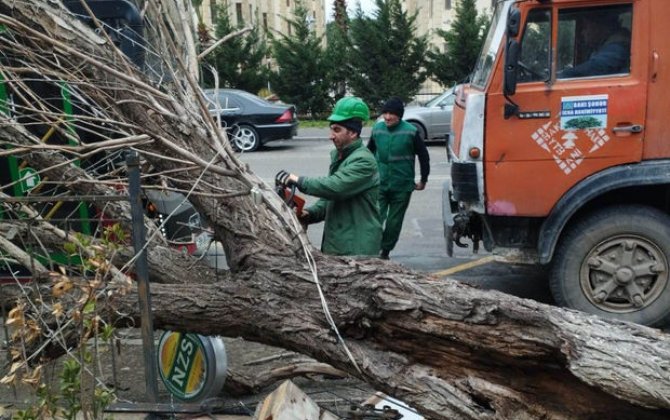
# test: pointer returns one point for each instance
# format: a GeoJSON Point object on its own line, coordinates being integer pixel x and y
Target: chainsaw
{"type": "Point", "coordinates": [287, 193]}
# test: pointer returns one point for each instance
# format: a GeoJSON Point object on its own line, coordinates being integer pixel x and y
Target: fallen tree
{"type": "Point", "coordinates": [449, 350]}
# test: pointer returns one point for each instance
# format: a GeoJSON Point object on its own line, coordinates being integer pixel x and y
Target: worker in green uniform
{"type": "Point", "coordinates": [348, 196]}
{"type": "Point", "coordinates": [395, 143]}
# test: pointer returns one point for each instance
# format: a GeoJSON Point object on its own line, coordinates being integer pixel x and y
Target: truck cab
{"type": "Point", "coordinates": [559, 152]}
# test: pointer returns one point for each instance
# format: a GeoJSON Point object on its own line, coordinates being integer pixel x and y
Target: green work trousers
{"type": "Point", "coordinates": [392, 206]}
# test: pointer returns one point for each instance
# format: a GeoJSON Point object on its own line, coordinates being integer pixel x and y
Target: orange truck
{"type": "Point", "coordinates": [559, 152]}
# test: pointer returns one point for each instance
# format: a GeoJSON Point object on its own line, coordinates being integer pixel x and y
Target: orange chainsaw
{"type": "Point", "coordinates": [287, 193]}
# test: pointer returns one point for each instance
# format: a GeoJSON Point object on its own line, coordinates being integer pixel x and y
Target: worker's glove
{"type": "Point", "coordinates": [282, 178]}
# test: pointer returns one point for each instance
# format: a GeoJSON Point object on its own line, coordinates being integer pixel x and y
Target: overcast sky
{"type": "Point", "coordinates": [366, 5]}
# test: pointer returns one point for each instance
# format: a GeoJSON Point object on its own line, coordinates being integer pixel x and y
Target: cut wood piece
{"type": "Point", "coordinates": [288, 402]}
{"type": "Point", "coordinates": [239, 383]}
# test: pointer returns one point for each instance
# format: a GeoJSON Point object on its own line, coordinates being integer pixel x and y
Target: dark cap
{"type": "Point", "coordinates": [395, 106]}
{"type": "Point", "coordinates": [352, 124]}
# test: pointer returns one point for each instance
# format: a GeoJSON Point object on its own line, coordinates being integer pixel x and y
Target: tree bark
{"type": "Point", "coordinates": [448, 350]}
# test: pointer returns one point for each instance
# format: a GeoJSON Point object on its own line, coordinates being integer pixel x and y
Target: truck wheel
{"type": "Point", "coordinates": [614, 263]}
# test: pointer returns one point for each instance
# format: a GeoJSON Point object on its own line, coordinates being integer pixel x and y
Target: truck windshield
{"type": "Point", "coordinates": [484, 66]}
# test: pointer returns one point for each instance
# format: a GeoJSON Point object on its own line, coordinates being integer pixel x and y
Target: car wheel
{"type": "Point", "coordinates": [244, 138]}
{"type": "Point", "coordinates": [420, 129]}
{"type": "Point", "coordinates": [614, 263]}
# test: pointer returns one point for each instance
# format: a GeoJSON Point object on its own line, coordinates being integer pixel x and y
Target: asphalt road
{"type": "Point", "coordinates": [421, 245]}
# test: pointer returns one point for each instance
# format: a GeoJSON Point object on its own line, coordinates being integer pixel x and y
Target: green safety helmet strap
{"type": "Point", "coordinates": [350, 107]}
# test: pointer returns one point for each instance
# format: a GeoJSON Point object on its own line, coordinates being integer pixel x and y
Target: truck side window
{"type": "Point", "coordinates": [534, 62]}
{"type": "Point", "coordinates": [594, 41]}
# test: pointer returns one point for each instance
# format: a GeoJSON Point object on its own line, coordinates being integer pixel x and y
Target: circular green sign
{"type": "Point", "coordinates": [192, 367]}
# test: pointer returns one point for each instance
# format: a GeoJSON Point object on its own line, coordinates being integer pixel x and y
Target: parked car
{"type": "Point", "coordinates": [433, 120]}
{"type": "Point", "coordinates": [250, 120]}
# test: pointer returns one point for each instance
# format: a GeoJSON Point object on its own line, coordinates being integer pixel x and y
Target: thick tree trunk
{"type": "Point", "coordinates": [449, 350]}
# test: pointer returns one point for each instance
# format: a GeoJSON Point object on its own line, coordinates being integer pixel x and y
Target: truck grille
{"type": "Point", "coordinates": [464, 181]}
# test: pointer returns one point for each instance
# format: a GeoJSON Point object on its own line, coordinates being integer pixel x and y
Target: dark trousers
{"type": "Point", "coordinates": [392, 206]}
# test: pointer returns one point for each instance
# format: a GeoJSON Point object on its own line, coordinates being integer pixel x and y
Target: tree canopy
{"type": "Point", "coordinates": [387, 56]}
{"type": "Point", "coordinates": [374, 57]}
{"type": "Point", "coordinates": [301, 76]}
{"type": "Point", "coordinates": [337, 55]}
{"type": "Point", "coordinates": [463, 42]}
{"type": "Point", "coordinates": [238, 62]}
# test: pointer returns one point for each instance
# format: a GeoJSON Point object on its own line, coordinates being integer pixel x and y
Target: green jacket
{"type": "Point", "coordinates": [348, 202]}
{"type": "Point", "coordinates": [395, 148]}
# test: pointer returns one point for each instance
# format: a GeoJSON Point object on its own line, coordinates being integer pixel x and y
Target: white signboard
{"type": "Point", "coordinates": [584, 112]}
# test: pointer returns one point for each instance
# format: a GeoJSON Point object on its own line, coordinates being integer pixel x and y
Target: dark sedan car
{"type": "Point", "coordinates": [250, 120]}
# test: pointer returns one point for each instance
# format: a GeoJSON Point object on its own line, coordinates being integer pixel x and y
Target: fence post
{"type": "Point", "coordinates": [142, 272]}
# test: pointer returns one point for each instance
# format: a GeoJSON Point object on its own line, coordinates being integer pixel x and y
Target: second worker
{"type": "Point", "coordinates": [395, 143]}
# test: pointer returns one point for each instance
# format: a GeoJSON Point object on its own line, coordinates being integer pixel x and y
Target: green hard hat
{"type": "Point", "coordinates": [349, 107]}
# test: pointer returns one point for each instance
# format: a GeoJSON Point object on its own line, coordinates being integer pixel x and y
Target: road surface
{"type": "Point", "coordinates": [421, 245]}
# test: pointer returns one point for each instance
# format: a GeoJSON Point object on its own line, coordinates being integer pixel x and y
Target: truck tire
{"type": "Point", "coordinates": [615, 263]}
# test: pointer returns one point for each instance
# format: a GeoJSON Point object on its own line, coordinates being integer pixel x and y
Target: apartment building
{"type": "Point", "coordinates": [270, 14]}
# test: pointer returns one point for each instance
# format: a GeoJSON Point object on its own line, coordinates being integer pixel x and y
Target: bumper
{"type": "Point", "coordinates": [447, 218]}
{"type": "Point", "coordinates": [277, 131]}
{"type": "Point", "coordinates": [458, 221]}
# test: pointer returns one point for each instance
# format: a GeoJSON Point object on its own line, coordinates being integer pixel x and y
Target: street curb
{"type": "Point", "coordinates": [311, 133]}
{"type": "Point", "coordinates": [307, 138]}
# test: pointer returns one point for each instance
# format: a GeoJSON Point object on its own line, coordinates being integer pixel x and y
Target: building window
{"type": "Point", "coordinates": [238, 13]}
{"type": "Point", "coordinates": [447, 4]}
{"type": "Point", "coordinates": [265, 21]}
{"type": "Point", "coordinates": [288, 3]}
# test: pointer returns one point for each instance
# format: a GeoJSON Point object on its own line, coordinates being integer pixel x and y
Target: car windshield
{"type": "Point", "coordinates": [437, 101]}
{"type": "Point", "coordinates": [484, 65]}
{"type": "Point", "coordinates": [230, 99]}
{"type": "Point", "coordinates": [254, 98]}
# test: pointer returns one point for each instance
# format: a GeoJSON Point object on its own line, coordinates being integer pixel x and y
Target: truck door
{"type": "Point", "coordinates": [581, 98]}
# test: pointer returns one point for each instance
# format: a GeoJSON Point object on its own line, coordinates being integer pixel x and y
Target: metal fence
{"type": "Point", "coordinates": [134, 196]}
{"type": "Point", "coordinates": [132, 373]}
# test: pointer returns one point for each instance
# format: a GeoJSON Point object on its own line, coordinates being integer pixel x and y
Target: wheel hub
{"type": "Point", "coordinates": [624, 275]}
